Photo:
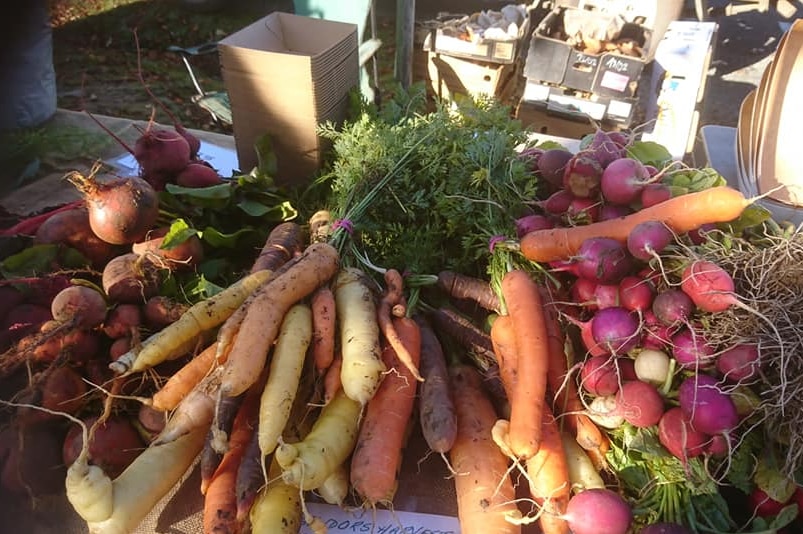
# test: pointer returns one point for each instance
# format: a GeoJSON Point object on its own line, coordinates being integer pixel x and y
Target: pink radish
{"type": "Point", "coordinates": [709, 409]}
{"type": "Point", "coordinates": [672, 306]}
{"type": "Point", "coordinates": [598, 511]}
{"type": "Point", "coordinates": [678, 437]}
{"type": "Point", "coordinates": [709, 286]}
{"type": "Point", "coordinates": [739, 363]}
{"type": "Point", "coordinates": [603, 260]}
{"type": "Point", "coordinates": [691, 350]}
{"type": "Point", "coordinates": [582, 175]}
{"type": "Point", "coordinates": [599, 376]}
{"type": "Point", "coordinates": [648, 239]}
{"type": "Point", "coordinates": [623, 180]}
{"type": "Point", "coordinates": [639, 403]}
{"type": "Point", "coordinates": [616, 329]}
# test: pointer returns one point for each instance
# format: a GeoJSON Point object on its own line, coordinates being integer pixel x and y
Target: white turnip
{"type": "Point", "coordinates": [652, 366]}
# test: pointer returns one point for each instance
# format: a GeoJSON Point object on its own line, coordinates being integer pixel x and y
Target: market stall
{"type": "Point", "coordinates": [425, 317]}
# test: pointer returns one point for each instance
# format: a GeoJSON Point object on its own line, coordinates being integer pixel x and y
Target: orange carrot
{"type": "Point", "coordinates": [681, 214]}
{"type": "Point", "coordinates": [394, 284]}
{"type": "Point", "coordinates": [567, 403]}
{"type": "Point", "coordinates": [331, 380]}
{"type": "Point", "coordinates": [504, 343]}
{"type": "Point", "coordinates": [182, 381]}
{"type": "Point", "coordinates": [220, 499]}
{"type": "Point", "coordinates": [296, 280]}
{"type": "Point", "coordinates": [322, 305]}
{"type": "Point", "coordinates": [548, 474]}
{"type": "Point", "coordinates": [485, 492]}
{"type": "Point", "coordinates": [523, 302]}
{"type": "Point", "coordinates": [377, 455]}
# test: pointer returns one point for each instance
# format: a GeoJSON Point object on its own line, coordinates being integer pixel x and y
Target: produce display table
{"type": "Point", "coordinates": [72, 128]}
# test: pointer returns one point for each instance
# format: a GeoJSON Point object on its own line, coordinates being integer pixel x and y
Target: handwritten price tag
{"type": "Point", "coordinates": [383, 522]}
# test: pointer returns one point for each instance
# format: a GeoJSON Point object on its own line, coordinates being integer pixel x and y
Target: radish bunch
{"type": "Point", "coordinates": [642, 306]}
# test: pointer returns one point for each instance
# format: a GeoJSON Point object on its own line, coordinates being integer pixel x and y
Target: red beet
{"type": "Point", "coordinates": [161, 151]}
{"type": "Point", "coordinates": [121, 210]}
{"type": "Point", "coordinates": [198, 175]}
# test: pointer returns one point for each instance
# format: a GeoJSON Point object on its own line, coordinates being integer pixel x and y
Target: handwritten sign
{"type": "Point", "coordinates": [340, 521]}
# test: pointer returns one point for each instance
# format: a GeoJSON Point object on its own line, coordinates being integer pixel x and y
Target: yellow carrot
{"type": "Point", "coordinates": [361, 368]}
{"type": "Point", "coordinates": [308, 463]}
{"type": "Point", "coordinates": [286, 364]}
{"type": "Point", "coordinates": [172, 341]}
{"type": "Point", "coordinates": [296, 280]}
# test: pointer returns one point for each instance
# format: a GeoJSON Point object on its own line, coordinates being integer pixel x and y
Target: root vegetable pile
{"type": "Point", "coordinates": [597, 342]}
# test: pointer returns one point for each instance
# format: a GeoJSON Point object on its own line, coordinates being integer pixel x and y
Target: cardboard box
{"type": "Point", "coordinates": [614, 113]}
{"type": "Point", "coordinates": [449, 76]}
{"type": "Point", "coordinates": [488, 50]}
{"type": "Point", "coordinates": [285, 75]}
{"type": "Point", "coordinates": [555, 61]}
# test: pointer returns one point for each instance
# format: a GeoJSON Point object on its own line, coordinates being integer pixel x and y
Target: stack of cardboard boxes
{"type": "Point", "coordinates": [585, 61]}
{"type": "Point", "coordinates": [286, 75]}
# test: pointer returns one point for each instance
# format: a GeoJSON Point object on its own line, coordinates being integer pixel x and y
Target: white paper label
{"type": "Point", "coordinates": [383, 521]}
{"type": "Point", "coordinates": [614, 80]}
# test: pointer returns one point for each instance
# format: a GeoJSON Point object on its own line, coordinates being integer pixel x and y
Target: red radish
{"type": "Point", "coordinates": [552, 164]}
{"type": "Point", "coordinates": [582, 292]}
{"type": "Point", "coordinates": [672, 307]}
{"type": "Point", "coordinates": [648, 239]}
{"type": "Point", "coordinates": [582, 211]}
{"type": "Point", "coordinates": [665, 528]}
{"type": "Point", "coordinates": [763, 505]}
{"type": "Point", "coordinates": [709, 286]}
{"type": "Point", "coordinates": [718, 445]}
{"type": "Point", "coordinates": [708, 408]}
{"type": "Point", "coordinates": [652, 169]}
{"type": "Point", "coordinates": [605, 148]}
{"type": "Point", "coordinates": [639, 403]}
{"type": "Point", "coordinates": [599, 376]}
{"type": "Point", "coordinates": [620, 139]}
{"type": "Point", "coordinates": [698, 236]}
{"type": "Point", "coordinates": [198, 175]}
{"type": "Point", "coordinates": [678, 437]}
{"type": "Point", "coordinates": [603, 260]}
{"type": "Point", "coordinates": [613, 211]}
{"type": "Point", "coordinates": [691, 349]}
{"type": "Point", "coordinates": [627, 368]}
{"type": "Point", "coordinates": [656, 334]}
{"type": "Point", "coordinates": [739, 363]}
{"type": "Point", "coordinates": [623, 180]}
{"type": "Point", "coordinates": [587, 337]}
{"type": "Point", "coordinates": [606, 295]}
{"type": "Point", "coordinates": [530, 223]}
{"type": "Point", "coordinates": [79, 306]}
{"type": "Point", "coordinates": [558, 202]}
{"type": "Point", "coordinates": [582, 175]}
{"type": "Point", "coordinates": [121, 210]}
{"type": "Point", "coordinates": [636, 294]}
{"type": "Point", "coordinates": [654, 193]}
{"type": "Point", "coordinates": [616, 329]}
{"type": "Point", "coordinates": [598, 511]}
